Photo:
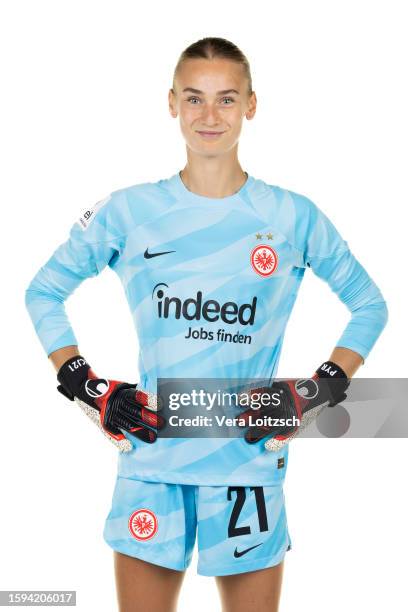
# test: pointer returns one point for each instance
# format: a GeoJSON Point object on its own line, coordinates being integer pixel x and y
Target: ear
{"type": "Point", "coordinates": [172, 103]}
{"type": "Point", "coordinates": [252, 102]}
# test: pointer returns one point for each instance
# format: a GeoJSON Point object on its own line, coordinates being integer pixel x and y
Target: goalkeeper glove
{"type": "Point", "coordinates": [294, 401]}
{"type": "Point", "coordinates": [112, 405]}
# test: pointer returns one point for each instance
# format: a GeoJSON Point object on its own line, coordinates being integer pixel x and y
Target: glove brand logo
{"type": "Point", "coordinates": [143, 524]}
{"type": "Point", "coordinates": [148, 255]}
{"type": "Point", "coordinates": [96, 387]}
{"type": "Point", "coordinates": [210, 310]}
{"type": "Point", "coordinates": [264, 259]}
{"type": "Point", "coordinates": [307, 388]}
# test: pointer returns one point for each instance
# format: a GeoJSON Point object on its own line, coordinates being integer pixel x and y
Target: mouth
{"type": "Point", "coordinates": [210, 135]}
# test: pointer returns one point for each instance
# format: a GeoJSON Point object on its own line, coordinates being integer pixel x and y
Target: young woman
{"type": "Point", "coordinates": [211, 260]}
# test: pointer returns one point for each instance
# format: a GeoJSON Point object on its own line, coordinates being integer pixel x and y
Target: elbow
{"type": "Point", "coordinates": [39, 292]}
{"type": "Point", "coordinates": [384, 313]}
{"type": "Point", "coordinates": [37, 295]}
{"type": "Point", "coordinates": [29, 296]}
{"type": "Point", "coordinates": [377, 315]}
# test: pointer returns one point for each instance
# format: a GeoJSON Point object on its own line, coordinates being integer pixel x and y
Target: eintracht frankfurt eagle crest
{"type": "Point", "coordinates": [264, 259]}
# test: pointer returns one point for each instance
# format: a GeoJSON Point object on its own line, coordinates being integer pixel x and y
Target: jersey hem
{"type": "Point", "coordinates": [210, 480]}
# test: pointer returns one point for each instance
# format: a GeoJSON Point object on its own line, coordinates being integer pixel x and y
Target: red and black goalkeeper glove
{"type": "Point", "coordinates": [294, 403]}
{"type": "Point", "coordinates": [113, 405]}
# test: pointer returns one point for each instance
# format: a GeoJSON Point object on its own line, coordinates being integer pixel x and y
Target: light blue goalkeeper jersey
{"type": "Point", "coordinates": [210, 284]}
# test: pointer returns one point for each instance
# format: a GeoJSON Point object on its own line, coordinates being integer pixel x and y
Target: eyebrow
{"type": "Point", "coordinates": [222, 92]}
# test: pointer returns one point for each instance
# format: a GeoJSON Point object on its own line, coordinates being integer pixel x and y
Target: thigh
{"type": "Point", "coordinates": [257, 591]}
{"type": "Point", "coordinates": [145, 587]}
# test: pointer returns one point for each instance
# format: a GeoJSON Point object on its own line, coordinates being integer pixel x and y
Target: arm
{"type": "Point", "coordinates": [95, 241]}
{"type": "Point", "coordinates": [347, 359]}
{"type": "Point", "coordinates": [87, 251]}
{"type": "Point", "coordinates": [330, 258]}
{"type": "Point", "coordinates": [61, 355]}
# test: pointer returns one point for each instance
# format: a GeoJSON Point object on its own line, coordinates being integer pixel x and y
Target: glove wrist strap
{"type": "Point", "coordinates": [72, 376]}
{"type": "Point", "coordinates": [335, 381]}
{"type": "Point", "coordinates": [329, 369]}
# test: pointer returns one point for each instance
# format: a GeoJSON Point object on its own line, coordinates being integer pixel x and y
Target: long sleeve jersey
{"type": "Point", "coordinates": [210, 284]}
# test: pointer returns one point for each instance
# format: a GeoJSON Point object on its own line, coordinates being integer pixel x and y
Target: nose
{"type": "Point", "coordinates": [209, 115]}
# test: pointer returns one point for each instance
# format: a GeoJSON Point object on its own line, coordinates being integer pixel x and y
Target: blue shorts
{"type": "Point", "coordinates": [239, 529]}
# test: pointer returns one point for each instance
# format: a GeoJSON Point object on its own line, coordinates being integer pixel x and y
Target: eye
{"type": "Point", "coordinates": [192, 98]}
{"type": "Point", "coordinates": [227, 98]}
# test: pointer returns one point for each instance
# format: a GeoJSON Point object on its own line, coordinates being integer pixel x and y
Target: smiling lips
{"type": "Point", "coordinates": [210, 135]}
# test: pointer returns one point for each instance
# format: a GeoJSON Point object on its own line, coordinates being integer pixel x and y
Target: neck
{"type": "Point", "coordinates": [213, 180]}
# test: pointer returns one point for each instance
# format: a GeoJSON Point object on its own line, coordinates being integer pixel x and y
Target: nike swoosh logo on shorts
{"type": "Point", "coordinates": [244, 552]}
{"type": "Point", "coordinates": [148, 255]}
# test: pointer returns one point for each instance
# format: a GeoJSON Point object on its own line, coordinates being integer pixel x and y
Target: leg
{"type": "Point", "coordinates": [243, 541]}
{"type": "Point", "coordinates": [141, 526]}
{"type": "Point", "coordinates": [257, 591]}
{"type": "Point", "coordinates": [145, 587]}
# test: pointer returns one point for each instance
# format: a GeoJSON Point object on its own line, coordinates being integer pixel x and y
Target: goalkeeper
{"type": "Point", "coordinates": [205, 256]}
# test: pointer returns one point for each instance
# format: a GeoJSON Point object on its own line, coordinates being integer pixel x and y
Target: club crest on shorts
{"type": "Point", "coordinates": [143, 524]}
{"type": "Point", "coordinates": [264, 259]}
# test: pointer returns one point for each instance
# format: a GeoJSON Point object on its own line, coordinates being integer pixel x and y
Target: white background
{"type": "Point", "coordinates": [84, 112]}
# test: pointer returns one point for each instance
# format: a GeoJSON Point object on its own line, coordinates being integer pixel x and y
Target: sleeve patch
{"type": "Point", "coordinates": [88, 215]}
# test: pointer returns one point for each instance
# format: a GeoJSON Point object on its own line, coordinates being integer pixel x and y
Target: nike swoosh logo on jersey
{"type": "Point", "coordinates": [244, 552]}
{"type": "Point", "coordinates": [148, 255]}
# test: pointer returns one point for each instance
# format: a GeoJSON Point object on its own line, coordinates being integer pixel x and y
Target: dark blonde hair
{"type": "Point", "coordinates": [212, 47]}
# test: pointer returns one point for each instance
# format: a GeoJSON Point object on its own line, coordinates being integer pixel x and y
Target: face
{"type": "Point", "coordinates": [211, 99]}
